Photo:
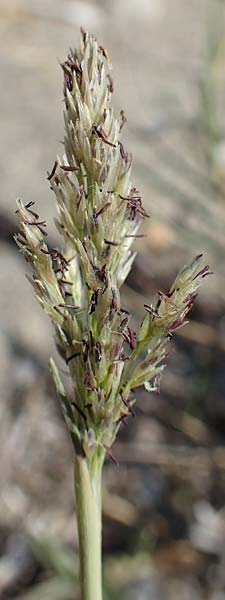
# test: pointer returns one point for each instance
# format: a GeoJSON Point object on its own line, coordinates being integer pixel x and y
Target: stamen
{"type": "Point", "coordinates": [68, 168]}
{"type": "Point", "coordinates": [27, 206]}
{"type": "Point", "coordinates": [69, 306]}
{"type": "Point", "coordinates": [110, 243]}
{"type": "Point", "coordinates": [51, 175]}
{"type": "Point", "coordinates": [72, 357]}
{"type": "Point", "coordinates": [101, 211]}
{"type": "Point", "coordinates": [123, 119]}
{"type": "Point", "coordinates": [100, 133]}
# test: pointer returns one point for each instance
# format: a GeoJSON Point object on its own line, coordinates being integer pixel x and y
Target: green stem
{"type": "Point", "coordinates": [89, 520]}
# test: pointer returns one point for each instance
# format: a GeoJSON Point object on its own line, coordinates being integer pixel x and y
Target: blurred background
{"type": "Point", "coordinates": [164, 505]}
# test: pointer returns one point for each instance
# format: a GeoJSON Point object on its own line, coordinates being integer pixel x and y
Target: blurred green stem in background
{"type": "Point", "coordinates": [215, 47]}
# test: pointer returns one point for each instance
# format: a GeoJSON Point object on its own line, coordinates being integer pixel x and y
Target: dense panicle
{"type": "Point", "coordinates": [99, 211]}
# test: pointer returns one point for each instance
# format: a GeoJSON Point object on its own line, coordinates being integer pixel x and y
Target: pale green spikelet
{"type": "Point", "coordinates": [98, 214]}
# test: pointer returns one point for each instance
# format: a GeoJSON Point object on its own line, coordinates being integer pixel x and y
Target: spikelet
{"type": "Point", "coordinates": [99, 211]}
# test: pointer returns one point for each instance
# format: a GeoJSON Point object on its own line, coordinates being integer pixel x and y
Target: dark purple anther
{"type": "Point", "coordinates": [85, 350]}
{"type": "Point", "coordinates": [38, 224]}
{"type": "Point", "coordinates": [123, 324]}
{"type": "Point", "coordinates": [111, 84]}
{"type": "Point", "coordinates": [101, 211]}
{"type": "Point", "coordinates": [100, 133]}
{"type": "Point", "coordinates": [112, 457]}
{"type": "Point", "coordinates": [129, 338]}
{"type": "Point", "coordinates": [134, 204]}
{"type": "Point", "coordinates": [69, 358]}
{"type": "Point", "coordinates": [152, 311]}
{"type": "Point", "coordinates": [205, 271]}
{"type": "Point", "coordinates": [122, 419]}
{"type": "Point", "coordinates": [98, 352]}
{"type": "Point", "coordinates": [68, 168]}
{"type": "Point", "coordinates": [28, 206]}
{"type": "Point", "coordinates": [50, 175]}
{"type": "Point", "coordinates": [123, 154]}
{"type": "Point", "coordinates": [94, 301]}
{"type": "Point", "coordinates": [127, 404]}
{"type": "Point", "coordinates": [87, 382]}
